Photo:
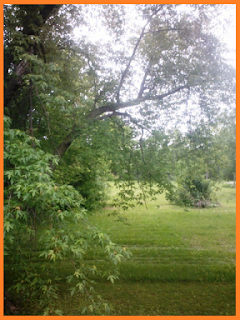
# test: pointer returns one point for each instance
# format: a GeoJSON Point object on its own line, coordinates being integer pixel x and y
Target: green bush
{"type": "Point", "coordinates": [197, 192]}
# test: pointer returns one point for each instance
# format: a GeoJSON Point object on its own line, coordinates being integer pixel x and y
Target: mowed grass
{"type": "Point", "coordinates": [183, 260]}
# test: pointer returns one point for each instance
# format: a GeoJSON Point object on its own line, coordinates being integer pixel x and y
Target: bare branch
{"type": "Point", "coordinates": [161, 96]}
{"type": "Point", "coordinates": [112, 107]}
{"type": "Point", "coordinates": [125, 72]}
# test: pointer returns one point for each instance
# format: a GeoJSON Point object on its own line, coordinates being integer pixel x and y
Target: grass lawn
{"type": "Point", "coordinates": [183, 260]}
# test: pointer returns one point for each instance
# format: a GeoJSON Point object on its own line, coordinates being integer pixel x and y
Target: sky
{"type": "Point", "coordinates": [223, 26]}
{"type": "Point", "coordinates": [225, 29]}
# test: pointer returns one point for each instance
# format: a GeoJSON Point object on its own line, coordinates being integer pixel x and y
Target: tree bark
{"type": "Point", "coordinates": [64, 145]}
{"type": "Point", "coordinates": [15, 82]}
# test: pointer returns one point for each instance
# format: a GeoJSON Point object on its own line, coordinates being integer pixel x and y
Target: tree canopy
{"type": "Point", "coordinates": [168, 58]}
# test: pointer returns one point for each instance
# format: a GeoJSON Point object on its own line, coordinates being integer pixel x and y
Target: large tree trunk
{"type": "Point", "coordinates": [65, 144]}
{"type": "Point", "coordinates": [15, 82]}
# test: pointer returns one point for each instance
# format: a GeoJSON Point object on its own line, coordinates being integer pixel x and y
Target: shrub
{"type": "Point", "coordinates": [190, 191]}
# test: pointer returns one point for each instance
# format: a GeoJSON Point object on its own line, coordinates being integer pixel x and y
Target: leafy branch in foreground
{"type": "Point", "coordinates": [45, 228]}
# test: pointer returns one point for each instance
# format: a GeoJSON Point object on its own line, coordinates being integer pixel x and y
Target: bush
{"type": "Point", "coordinates": [195, 192]}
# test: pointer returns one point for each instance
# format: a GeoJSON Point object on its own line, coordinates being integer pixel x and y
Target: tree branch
{"type": "Point", "coordinates": [125, 72]}
{"type": "Point", "coordinates": [64, 145]}
{"type": "Point", "coordinates": [161, 96]}
{"type": "Point", "coordinates": [142, 87]}
{"type": "Point", "coordinates": [121, 114]}
{"type": "Point", "coordinates": [112, 107]}
{"type": "Point", "coordinates": [164, 30]}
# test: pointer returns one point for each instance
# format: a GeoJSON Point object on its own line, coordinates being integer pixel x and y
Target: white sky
{"type": "Point", "coordinates": [225, 30]}
{"type": "Point", "coordinates": [224, 27]}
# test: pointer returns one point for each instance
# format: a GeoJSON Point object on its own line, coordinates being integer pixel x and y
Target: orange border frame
{"type": "Point", "coordinates": [1, 141]}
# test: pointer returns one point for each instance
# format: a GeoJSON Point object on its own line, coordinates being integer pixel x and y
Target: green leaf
{"type": "Point", "coordinates": [72, 291]}
{"type": "Point", "coordinates": [8, 226]}
{"type": "Point", "coordinates": [111, 278]}
{"type": "Point", "coordinates": [80, 286]}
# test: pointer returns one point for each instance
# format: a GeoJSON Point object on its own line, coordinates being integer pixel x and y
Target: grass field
{"type": "Point", "coordinates": [183, 260]}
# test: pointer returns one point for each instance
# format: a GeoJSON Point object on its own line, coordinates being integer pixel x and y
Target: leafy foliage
{"type": "Point", "coordinates": [86, 168]}
{"type": "Point", "coordinates": [192, 192]}
{"type": "Point", "coordinates": [39, 226]}
{"type": "Point", "coordinates": [197, 166]}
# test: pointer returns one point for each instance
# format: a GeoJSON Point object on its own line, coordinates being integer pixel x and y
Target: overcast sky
{"type": "Point", "coordinates": [225, 30]}
{"type": "Point", "coordinates": [223, 26]}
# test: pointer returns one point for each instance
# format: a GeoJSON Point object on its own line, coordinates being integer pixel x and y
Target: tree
{"type": "Point", "coordinates": [175, 60]}
{"type": "Point", "coordinates": [67, 87]}
{"type": "Point", "coordinates": [202, 156]}
{"type": "Point", "coordinates": [195, 161]}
